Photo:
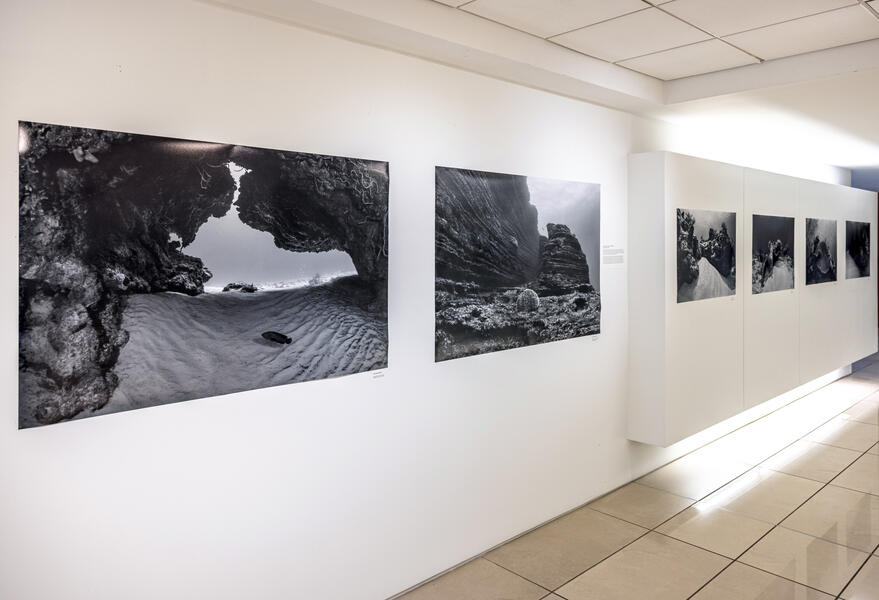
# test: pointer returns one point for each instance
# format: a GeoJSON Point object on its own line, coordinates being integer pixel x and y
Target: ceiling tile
{"type": "Point", "coordinates": [454, 3]}
{"type": "Point", "coordinates": [551, 17]}
{"type": "Point", "coordinates": [631, 35]}
{"type": "Point", "coordinates": [695, 59]}
{"type": "Point", "coordinates": [827, 30]}
{"type": "Point", "coordinates": [725, 17]}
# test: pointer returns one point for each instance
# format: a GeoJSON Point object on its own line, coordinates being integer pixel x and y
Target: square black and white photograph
{"type": "Point", "coordinates": [772, 254]}
{"type": "Point", "coordinates": [820, 251]}
{"type": "Point", "coordinates": [706, 254]}
{"type": "Point", "coordinates": [857, 249]}
{"type": "Point", "coordinates": [155, 270]}
{"type": "Point", "coordinates": [517, 261]}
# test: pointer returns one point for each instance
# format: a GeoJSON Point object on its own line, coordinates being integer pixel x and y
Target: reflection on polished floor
{"type": "Point", "coordinates": [774, 510]}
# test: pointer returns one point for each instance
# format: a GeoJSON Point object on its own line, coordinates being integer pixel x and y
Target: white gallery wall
{"type": "Point", "coordinates": [693, 364]}
{"type": "Point", "coordinates": [357, 487]}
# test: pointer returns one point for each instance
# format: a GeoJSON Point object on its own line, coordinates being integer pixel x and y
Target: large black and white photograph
{"type": "Point", "coordinates": [516, 261]}
{"type": "Point", "coordinates": [772, 241]}
{"type": "Point", "coordinates": [706, 254]}
{"type": "Point", "coordinates": [857, 249]}
{"type": "Point", "coordinates": [155, 270]}
{"type": "Point", "coordinates": [820, 251]}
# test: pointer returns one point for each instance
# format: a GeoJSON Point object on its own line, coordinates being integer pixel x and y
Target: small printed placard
{"type": "Point", "coordinates": [611, 255]}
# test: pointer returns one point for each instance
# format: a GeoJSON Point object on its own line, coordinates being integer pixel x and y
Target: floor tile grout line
{"type": "Point", "coordinates": [484, 554]}
{"type": "Point", "coordinates": [817, 537]}
{"type": "Point", "coordinates": [857, 572]}
{"type": "Point", "coordinates": [706, 444]}
{"type": "Point", "coordinates": [779, 524]}
{"type": "Point", "coordinates": [842, 447]}
{"type": "Point", "coordinates": [654, 529]}
{"type": "Point", "coordinates": [803, 437]}
{"type": "Point", "coordinates": [757, 465]}
{"type": "Point", "coordinates": [823, 485]}
{"type": "Point", "coordinates": [617, 551]}
{"type": "Point", "coordinates": [540, 585]}
{"type": "Point", "coordinates": [757, 541]}
{"type": "Point", "coordinates": [697, 546]}
{"type": "Point", "coordinates": [852, 420]}
{"type": "Point", "coordinates": [642, 526]}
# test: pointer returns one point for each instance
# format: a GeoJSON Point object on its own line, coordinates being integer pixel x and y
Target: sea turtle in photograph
{"type": "Point", "coordinates": [274, 336]}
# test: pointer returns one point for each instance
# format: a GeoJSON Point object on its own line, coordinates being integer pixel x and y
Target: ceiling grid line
{"type": "Point", "coordinates": [659, 7]}
{"type": "Point", "coordinates": [869, 7]}
{"type": "Point", "coordinates": [549, 38]}
{"type": "Point", "coordinates": [671, 60]}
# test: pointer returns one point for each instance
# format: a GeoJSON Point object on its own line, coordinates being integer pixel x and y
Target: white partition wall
{"type": "Point", "coordinates": [771, 320]}
{"type": "Point", "coordinates": [823, 343]}
{"type": "Point", "coordinates": [698, 367]}
{"type": "Point", "coordinates": [695, 363]}
{"type": "Point", "coordinates": [857, 304]}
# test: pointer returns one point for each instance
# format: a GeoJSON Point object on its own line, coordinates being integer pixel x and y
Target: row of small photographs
{"type": "Point", "coordinates": [706, 253]}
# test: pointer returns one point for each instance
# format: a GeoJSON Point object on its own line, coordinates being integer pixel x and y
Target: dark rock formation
{"type": "Point", "coordinates": [820, 263]}
{"type": "Point", "coordinates": [105, 214]}
{"type": "Point", "coordinates": [563, 267]}
{"type": "Point", "coordinates": [689, 251]}
{"type": "Point", "coordinates": [499, 283]}
{"type": "Point", "coordinates": [247, 288]}
{"type": "Point", "coordinates": [765, 261]}
{"type": "Point", "coordinates": [278, 338]}
{"type": "Point", "coordinates": [97, 210]}
{"type": "Point", "coordinates": [482, 320]}
{"type": "Point", "coordinates": [857, 243]}
{"type": "Point", "coordinates": [486, 228]}
{"type": "Point", "coordinates": [720, 250]}
{"type": "Point", "coordinates": [316, 203]}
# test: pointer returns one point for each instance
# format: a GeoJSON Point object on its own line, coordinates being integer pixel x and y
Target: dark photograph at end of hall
{"type": "Point", "coordinates": [857, 249]}
{"type": "Point", "coordinates": [516, 261]}
{"type": "Point", "coordinates": [820, 251]}
{"type": "Point", "coordinates": [156, 270]}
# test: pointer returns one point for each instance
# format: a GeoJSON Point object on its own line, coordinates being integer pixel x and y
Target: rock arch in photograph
{"type": "Point", "coordinates": [105, 218]}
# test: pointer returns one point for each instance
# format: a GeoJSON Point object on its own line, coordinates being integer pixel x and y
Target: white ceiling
{"type": "Point", "coordinates": [672, 39]}
{"type": "Point", "coordinates": [817, 108]}
{"type": "Point", "coordinates": [830, 120]}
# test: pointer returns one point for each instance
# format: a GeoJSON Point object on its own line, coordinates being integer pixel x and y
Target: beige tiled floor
{"type": "Point", "coordinates": [865, 585]}
{"type": "Point", "coordinates": [655, 566]}
{"type": "Point", "coordinates": [695, 475]}
{"type": "Point", "coordinates": [640, 504]}
{"type": "Point", "coordinates": [727, 521]}
{"type": "Point", "coordinates": [812, 460]}
{"type": "Point", "coordinates": [863, 475]}
{"type": "Point", "coordinates": [762, 494]}
{"type": "Point", "coordinates": [839, 515]}
{"type": "Point", "coordinates": [741, 582]}
{"type": "Point", "coordinates": [805, 559]}
{"type": "Point", "coordinates": [716, 529]}
{"type": "Point", "coordinates": [845, 433]}
{"type": "Point", "coordinates": [558, 552]}
{"type": "Point", "coordinates": [478, 580]}
{"type": "Point", "coordinates": [865, 411]}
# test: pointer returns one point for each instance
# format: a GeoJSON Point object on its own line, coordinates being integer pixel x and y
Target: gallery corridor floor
{"type": "Point", "coordinates": [785, 507]}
